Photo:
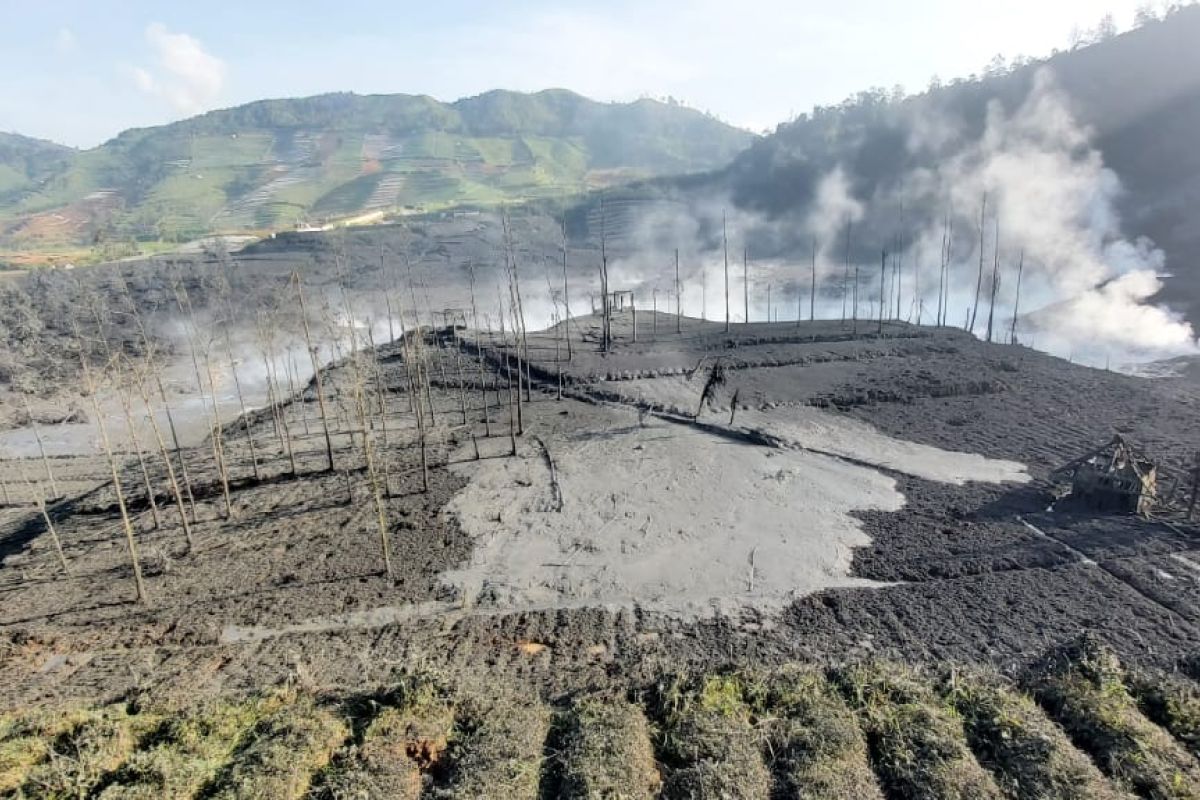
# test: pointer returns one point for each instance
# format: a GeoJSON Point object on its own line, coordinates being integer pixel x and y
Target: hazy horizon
{"type": "Point", "coordinates": [101, 71]}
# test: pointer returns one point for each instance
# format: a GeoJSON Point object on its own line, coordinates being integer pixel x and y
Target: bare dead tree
{"type": "Point", "coordinates": [942, 269]}
{"type": "Point", "coordinates": [846, 275]}
{"type": "Point", "coordinates": [487, 416]}
{"type": "Point", "coordinates": [979, 279]}
{"type": "Point", "coordinates": [605, 307]}
{"type": "Point", "coordinates": [183, 468]}
{"type": "Point", "coordinates": [678, 296]}
{"type": "Point", "coordinates": [512, 406]}
{"type": "Point", "coordinates": [216, 439]}
{"type": "Point", "coordinates": [995, 282]}
{"type": "Point", "coordinates": [271, 356]}
{"type": "Point", "coordinates": [566, 290]}
{"type": "Point", "coordinates": [725, 251]}
{"type": "Point", "coordinates": [812, 289]}
{"type": "Point", "coordinates": [746, 287]}
{"type": "Point", "coordinates": [1012, 334]}
{"type": "Point", "coordinates": [316, 367]}
{"type": "Point", "coordinates": [419, 346]}
{"type": "Point", "coordinates": [92, 389]}
{"type": "Point", "coordinates": [37, 435]}
{"type": "Point", "coordinates": [237, 385]}
{"type": "Point", "coordinates": [218, 435]}
{"type": "Point", "coordinates": [882, 272]}
{"type": "Point", "coordinates": [368, 450]}
{"type": "Point", "coordinates": [39, 499]}
{"type": "Point", "coordinates": [173, 482]}
{"type": "Point", "coordinates": [125, 397]}
{"type": "Point", "coordinates": [856, 281]}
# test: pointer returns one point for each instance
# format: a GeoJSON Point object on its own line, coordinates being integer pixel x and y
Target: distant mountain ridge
{"type": "Point", "coordinates": [278, 163]}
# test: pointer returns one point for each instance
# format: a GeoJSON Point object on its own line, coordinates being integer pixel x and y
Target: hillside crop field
{"type": "Point", "coordinates": [279, 164]}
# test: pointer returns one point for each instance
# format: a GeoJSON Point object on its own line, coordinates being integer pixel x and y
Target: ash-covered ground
{"type": "Point", "coordinates": [868, 494]}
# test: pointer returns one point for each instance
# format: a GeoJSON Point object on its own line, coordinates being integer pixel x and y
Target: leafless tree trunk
{"type": "Point", "coordinates": [218, 437]}
{"type": "Point", "coordinates": [605, 305]}
{"type": "Point", "coordinates": [360, 403]}
{"type": "Point", "coordinates": [39, 498]}
{"type": "Point", "coordinates": [1012, 335]}
{"type": "Point", "coordinates": [725, 250]}
{"type": "Point", "coordinates": [678, 296]}
{"type": "Point", "coordinates": [746, 287]}
{"type": "Point", "coordinates": [166, 457]}
{"type": "Point", "coordinates": [942, 271]}
{"type": "Point", "coordinates": [316, 366]}
{"type": "Point", "coordinates": [812, 291]}
{"type": "Point", "coordinates": [846, 275]}
{"type": "Point", "coordinates": [37, 435]}
{"type": "Point", "coordinates": [183, 469]}
{"type": "Point", "coordinates": [90, 384]}
{"type": "Point", "coordinates": [979, 279]}
{"type": "Point", "coordinates": [856, 299]}
{"type": "Point", "coordinates": [566, 293]}
{"type": "Point", "coordinates": [882, 304]}
{"type": "Point", "coordinates": [237, 385]}
{"type": "Point", "coordinates": [995, 282]}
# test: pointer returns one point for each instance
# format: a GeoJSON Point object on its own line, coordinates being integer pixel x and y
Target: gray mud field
{"type": "Point", "coordinates": [867, 495]}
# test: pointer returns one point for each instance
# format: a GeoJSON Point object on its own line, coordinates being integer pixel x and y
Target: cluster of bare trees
{"type": "Point", "coordinates": [158, 481]}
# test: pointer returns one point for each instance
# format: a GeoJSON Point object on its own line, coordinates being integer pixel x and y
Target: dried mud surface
{"type": "Point", "coordinates": [981, 571]}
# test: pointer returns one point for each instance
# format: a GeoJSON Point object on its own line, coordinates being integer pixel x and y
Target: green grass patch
{"type": "Point", "coordinates": [1082, 686]}
{"type": "Point", "coordinates": [496, 748]}
{"type": "Point", "coordinates": [1170, 701]}
{"type": "Point", "coordinates": [82, 749]}
{"type": "Point", "coordinates": [1029, 756]}
{"type": "Point", "coordinates": [709, 740]}
{"type": "Point", "coordinates": [916, 741]}
{"type": "Point", "coordinates": [606, 751]}
{"type": "Point", "coordinates": [187, 750]}
{"type": "Point", "coordinates": [280, 755]}
{"type": "Point", "coordinates": [814, 743]}
{"type": "Point", "coordinates": [405, 739]}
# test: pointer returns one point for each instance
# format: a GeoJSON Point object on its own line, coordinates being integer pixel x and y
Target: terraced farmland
{"type": "Point", "coordinates": [866, 730]}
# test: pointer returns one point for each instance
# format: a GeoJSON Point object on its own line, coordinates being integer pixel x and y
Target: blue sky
{"type": "Point", "coordinates": [79, 72]}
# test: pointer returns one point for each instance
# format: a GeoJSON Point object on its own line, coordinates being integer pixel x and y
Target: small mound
{"type": "Point", "coordinates": [1172, 702]}
{"type": "Point", "coordinates": [496, 748]}
{"type": "Point", "coordinates": [86, 750]}
{"type": "Point", "coordinates": [816, 747]}
{"type": "Point", "coordinates": [917, 744]}
{"type": "Point", "coordinates": [282, 753]}
{"type": "Point", "coordinates": [1030, 757]}
{"type": "Point", "coordinates": [607, 751]}
{"type": "Point", "coordinates": [711, 744]}
{"type": "Point", "coordinates": [1082, 686]}
{"type": "Point", "coordinates": [186, 751]}
{"type": "Point", "coordinates": [401, 744]}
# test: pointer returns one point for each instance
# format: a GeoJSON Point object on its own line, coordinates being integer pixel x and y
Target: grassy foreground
{"type": "Point", "coordinates": [1079, 725]}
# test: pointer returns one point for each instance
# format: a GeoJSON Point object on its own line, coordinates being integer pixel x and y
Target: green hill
{"type": "Point", "coordinates": [26, 162]}
{"type": "Point", "coordinates": [279, 163]}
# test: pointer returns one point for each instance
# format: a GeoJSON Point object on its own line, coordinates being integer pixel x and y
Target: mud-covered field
{"type": "Point", "coordinates": [901, 512]}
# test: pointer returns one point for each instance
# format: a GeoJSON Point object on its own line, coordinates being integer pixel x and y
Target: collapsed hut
{"type": "Point", "coordinates": [1112, 477]}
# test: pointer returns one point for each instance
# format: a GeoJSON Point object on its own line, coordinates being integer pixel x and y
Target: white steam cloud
{"type": "Point", "coordinates": [1086, 289]}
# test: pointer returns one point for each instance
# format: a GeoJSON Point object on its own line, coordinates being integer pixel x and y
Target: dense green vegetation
{"type": "Point", "coordinates": [278, 163]}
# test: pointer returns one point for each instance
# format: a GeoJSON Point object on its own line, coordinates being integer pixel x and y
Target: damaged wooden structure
{"type": "Point", "coordinates": [1112, 477]}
